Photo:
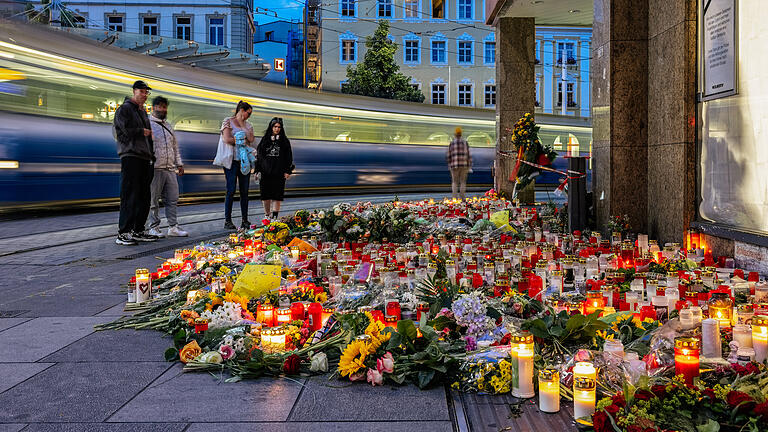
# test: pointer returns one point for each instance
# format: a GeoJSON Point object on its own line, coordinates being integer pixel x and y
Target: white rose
{"type": "Point", "coordinates": [319, 363]}
{"type": "Point", "coordinates": [321, 215]}
{"type": "Point", "coordinates": [211, 357]}
{"type": "Point", "coordinates": [337, 211]}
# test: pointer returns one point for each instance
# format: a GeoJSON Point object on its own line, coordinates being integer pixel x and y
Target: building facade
{"type": "Point", "coordinates": [227, 23]}
{"type": "Point", "coordinates": [449, 52]}
{"type": "Point", "coordinates": [281, 44]}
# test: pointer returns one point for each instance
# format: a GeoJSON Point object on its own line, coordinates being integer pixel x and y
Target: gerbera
{"type": "Point", "coordinates": [353, 358]}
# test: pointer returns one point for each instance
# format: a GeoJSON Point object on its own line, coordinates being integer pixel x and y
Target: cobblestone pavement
{"type": "Point", "coordinates": [61, 276]}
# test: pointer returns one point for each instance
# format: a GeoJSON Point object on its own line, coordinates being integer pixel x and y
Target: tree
{"type": "Point", "coordinates": [378, 75]}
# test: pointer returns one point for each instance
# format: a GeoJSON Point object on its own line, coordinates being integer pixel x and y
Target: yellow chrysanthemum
{"type": "Point", "coordinates": [234, 298]}
{"type": "Point", "coordinates": [353, 358]}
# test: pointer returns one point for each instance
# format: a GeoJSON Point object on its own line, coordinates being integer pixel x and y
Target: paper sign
{"type": "Point", "coordinates": [302, 245]}
{"type": "Point", "coordinates": [256, 279]}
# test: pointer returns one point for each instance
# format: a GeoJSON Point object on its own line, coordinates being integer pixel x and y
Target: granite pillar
{"type": "Point", "coordinates": [515, 63]}
{"type": "Point", "coordinates": [619, 80]}
{"type": "Point", "coordinates": [671, 118]}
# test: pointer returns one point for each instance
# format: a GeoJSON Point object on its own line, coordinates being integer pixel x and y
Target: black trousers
{"type": "Point", "coordinates": [135, 194]}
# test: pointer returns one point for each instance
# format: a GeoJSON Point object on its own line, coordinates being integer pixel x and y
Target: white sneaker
{"type": "Point", "coordinates": [155, 232]}
{"type": "Point", "coordinates": [176, 231]}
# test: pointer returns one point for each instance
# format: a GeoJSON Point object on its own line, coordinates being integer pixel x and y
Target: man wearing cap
{"type": "Point", "coordinates": [133, 134]}
{"type": "Point", "coordinates": [459, 163]}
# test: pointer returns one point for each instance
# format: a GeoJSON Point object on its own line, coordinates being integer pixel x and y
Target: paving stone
{"type": "Point", "coordinates": [105, 427]}
{"type": "Point", "coordinates": [37, 338]}
{"type": "Point", "coordinates": [114, 311]}
{"type": "Point", "coordinates": [436, 426]}
{"type": "Point", "coordinates": [6, 323]}
{"type": "Point", "coordinates": [14, 373]}
{"type": "Point", "coordinates": [324, 400]}
{"type": "Point", "coordinates": [54, 305]}
{"type": "Point", "coordinates": [11, 427]}
{"type": "Point", "coordinates": [115, 346]}
{"type": "Point", "coordinates": [169, 399]}
{"type": "Point", "coordinates": [77, 392]}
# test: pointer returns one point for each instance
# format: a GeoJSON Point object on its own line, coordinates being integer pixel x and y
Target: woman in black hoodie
{"type": "Point", "coordinates": [275, 164]}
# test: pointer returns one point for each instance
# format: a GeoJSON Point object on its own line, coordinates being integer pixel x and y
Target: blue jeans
{"type": "Point", "coordinates": [234, 176]}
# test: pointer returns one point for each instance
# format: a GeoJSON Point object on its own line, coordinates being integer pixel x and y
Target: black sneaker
{"type": "Point", "coordinates": [144, 237]}
{"type": "Point", "coordinates": [246, 225]}
{"type": "Point", "coordinates": [229, 225]}
{"type": "Point", "coordinates": [125, 239]}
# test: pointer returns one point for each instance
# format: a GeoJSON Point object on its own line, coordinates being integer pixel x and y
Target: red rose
{"type": "Point", "coordinates": [735, 398]}
{"type": "Point", "coordinates": [619, 401]}
{"type": "Point", "coordinates": [761, 410]}
{"type": "Point", "coordinates": [644, 395]}
{"type": "Point", "coordinates": [709, 393]}
{"type": "Point", "coordinates": [612, 409]}
{"type": "Point", "coordinates": [659, 390]}
{"type": "Point", "coordinates": [291, 365]}
{"type": "Point", "coordinates": [600, 422]}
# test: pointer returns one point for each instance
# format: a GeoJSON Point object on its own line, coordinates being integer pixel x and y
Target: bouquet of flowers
{"type": "Point", "coordinates": [277, 233]}
{"type": "Point", "coordinates": [619, 224]}
{"type": "Point", "coordinates": [525, 138]}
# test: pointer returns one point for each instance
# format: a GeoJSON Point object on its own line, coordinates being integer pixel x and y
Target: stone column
{"type": "Point", "coordinates": [671, 118]}
{"type": "Point", "coordinates": [515, 69]}
{"type": "Point", "coordinates": [619, 80]}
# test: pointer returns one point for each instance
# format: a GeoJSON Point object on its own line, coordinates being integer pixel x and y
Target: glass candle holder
{"type": "Point", "coordinates": [721, 309]}
{"type": "Point", "coordinates": [283, 316]}
{"type": "Point", "coordinates": [760, 337]}
{"type": "Point", "coordinates": [687, 358]}
{"type": "Point", "coordinates": [584, 393]}
{"type": "Point", "coordinates": [522, 344]}
{"type": "Point", "coordinates": [594, 301]}
{"type": "Point", "coordinates": [549, 390]}
{"type": "Point", "coordinates": [273, 340]}
{"type": "Point", "coordinates": [143, 285]}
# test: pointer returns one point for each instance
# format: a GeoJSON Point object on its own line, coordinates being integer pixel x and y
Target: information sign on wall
{"type": "Point", "coordinates": [719, 48]}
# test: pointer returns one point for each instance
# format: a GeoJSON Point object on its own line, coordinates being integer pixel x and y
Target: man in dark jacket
{"type": "Point", "coordinates": [133, 133]}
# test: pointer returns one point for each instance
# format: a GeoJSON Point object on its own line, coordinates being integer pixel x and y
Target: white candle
{"type": "Point", "coordinates": [583, 397]}
{"type": "Point", "coordinates": [143, 285]}
{"type": "Point", "coordinates": [524, 349]}
{"type": "Point", "coordinates": [710, 339]}
{"type": "Point", "coordinates": [549, 391]}
{"type": "Point", "coordinates": [614, 349]}
{"type": "Point", "coordinates": [760, 337]}
{"type": "Point", "coordinates": [697, 315]}
{"type": "Point", "coordinates": [743, 335]}
{"type": "Point", "coordinates": [686, 319]}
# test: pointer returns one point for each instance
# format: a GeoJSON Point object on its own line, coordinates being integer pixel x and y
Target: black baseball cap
{"type": "Point", "coordinates": [141, 85]}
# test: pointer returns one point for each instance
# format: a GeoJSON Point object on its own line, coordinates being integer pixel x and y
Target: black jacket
{"type": "Point", "coordinates": [274, 157]}
{"type": "Point", "coordinates": [130, 122]}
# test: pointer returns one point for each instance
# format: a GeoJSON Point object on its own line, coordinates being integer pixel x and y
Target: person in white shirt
{"type": "Point", "coordinates": [167, 166]}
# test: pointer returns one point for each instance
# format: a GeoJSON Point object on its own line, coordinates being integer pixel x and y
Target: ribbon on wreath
{"type": "Point", "coordinates": [569, 174]}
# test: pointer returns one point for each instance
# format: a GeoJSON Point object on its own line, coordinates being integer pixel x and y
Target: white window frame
{"type": "Point", "coordinates": [486, 93]}
{"type": "Point", "coordinates": [470, 94]}
{"type": "Point", "coordinates": [463, 40]}
{"type": "Point", "coordinates": [438, 38]}
{"type": "Point", "coordinates": [342, 9]}
{"type": "Point", "coordinates": [190, 27]}
{"type": "Point", "coordinates": [443, 88]}
{"type": "Point", "coordinates": [382, 5]}
{"type": "Point", "coordinates": [407, 10]}
{"type": "Point", "coordinates": [411, 38]}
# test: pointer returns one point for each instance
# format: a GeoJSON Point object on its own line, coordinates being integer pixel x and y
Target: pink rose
{"type": "Point", "coordinates": [385, 364]}
{"type": "Point", "coordinates": [226, 352]}
{"type": "Point", "coordinates": [375, 378]}
{"type": "Point", "coordinates": [358, 376]}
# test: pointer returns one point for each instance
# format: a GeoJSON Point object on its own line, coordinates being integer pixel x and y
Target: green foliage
{"type": "Point", "coordinates": [379, 75]}
{"type": "Point", "coordinates": [560, 334]}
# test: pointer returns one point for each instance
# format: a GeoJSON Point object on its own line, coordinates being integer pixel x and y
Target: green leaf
{"type": "Point", "coordinates": [171, 354]}
{"type": "Point", "coordinates": [425, 377]}
{"type": "Point", "coordinates": [538, 329]}
{"type": "Point", "coordinates": [407, 330]}
{"type": "Point", "coordinates": [575, 322]}
{"type": "Point", "coordinates": [395, 341]}
{"type": "Point", "coordinates": [710, 426]}
{"type": "Point", "coordinates": [257, 356]}
{"type": "Point", "coordinates": [428, 333]}
{"type": "Point", "coordinates": [180, 339]}
{"type": "Point", "coordinates": [493, 313]}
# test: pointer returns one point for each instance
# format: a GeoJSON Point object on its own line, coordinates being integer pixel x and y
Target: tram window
{"type": "Point", "coordinates": [438, 9]}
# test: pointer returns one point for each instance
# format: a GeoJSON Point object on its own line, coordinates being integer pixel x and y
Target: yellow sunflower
{"type": "Point", "coordinates": [353, 358]}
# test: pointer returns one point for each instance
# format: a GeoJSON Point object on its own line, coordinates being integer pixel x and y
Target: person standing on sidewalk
{"type": "Point", "coordinates": [167, 166]}
{"type": "Point", "coordinates": [133, 134]}
{"type": "Point", "coordinates": [274, 159]}
{"type": "Point", "coordinates": [459, 163]}
{"type": "Point", "coordinates": [229, 159]}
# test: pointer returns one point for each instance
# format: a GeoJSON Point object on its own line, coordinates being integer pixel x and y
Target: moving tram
{"type": "Point", "coordinates": [59, 93]}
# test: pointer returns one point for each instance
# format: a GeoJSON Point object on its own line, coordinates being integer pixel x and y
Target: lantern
{"type": "Point", "coordinates": [422, 313]}
{"type": "Point", "coordinates": [549, 390]}
{"type": "Point", "coordinates": [584, 393]}
{"type": "Point", "coordinates": [315, 314]}
{"type": "Point", "coordinates": [297, 311]}
{"type": "Point", "coordinates": [393, 309]}
{"type": "Point", "coordinates": [201, 325]}
{"type": "Point", "coordinates": [760, 337]}
{"type": "Point", "coordinates": [522, 344]}
{"type": "Point", "coordinates": [721, 309]}
{"type": "Point", "coordinates": [143, 285]}
{"type": "Point", "coordinates": [687, 358]}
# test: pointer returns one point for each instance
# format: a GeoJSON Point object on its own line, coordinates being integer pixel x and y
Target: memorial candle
{"type": "Point", "coordinates": [265, 314]}
{"type": "Point", "coordinates": [710, 339]}
{"type": "Point", "coordinates": [594, 302]}
{"type": "Point", "coordinates": [760, 337]}
{"type": "Point", "coordinates": [327, 313]}
{"type": "Point", "coordinates": [549, 390]}
{"type": "Point", "coordinates": [584, 393]}
{"type": "Point", "coordinates": [584, 370]}
{"type": "Point", "coordinates": [687, 358]}
{"type": "Point", "coordinates": [523, 345]}
{"type": "Point", "coordinates": [721, 309]}
{"type": "Point", "coordinates": [143, 285]}
{"type": "Point", "coordinates": [283, 316]}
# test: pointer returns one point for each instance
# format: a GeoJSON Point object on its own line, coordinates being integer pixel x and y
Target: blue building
{"type": "Point", "coordinates": [281, 44]}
